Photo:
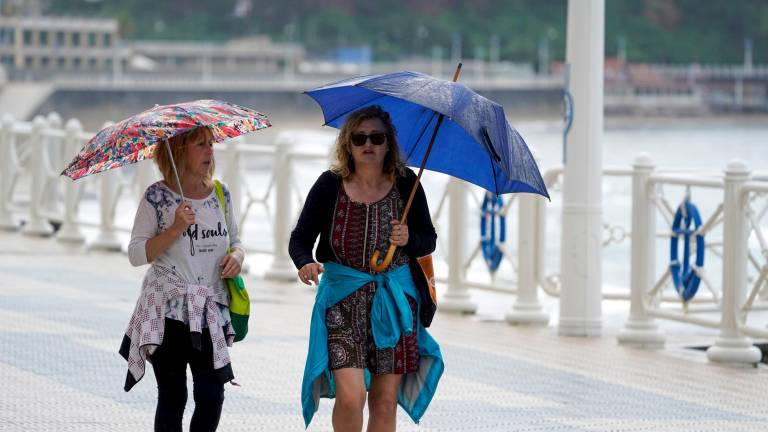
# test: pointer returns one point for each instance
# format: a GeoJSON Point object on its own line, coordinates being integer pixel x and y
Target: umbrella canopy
{"type": "Point", "coordinates": [134, 138]}
{"type": "Point", "coordinates": [474, 143]}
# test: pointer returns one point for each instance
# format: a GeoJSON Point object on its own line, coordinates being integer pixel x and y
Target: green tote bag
{"type": "Point", "coordinates": [239, 303]}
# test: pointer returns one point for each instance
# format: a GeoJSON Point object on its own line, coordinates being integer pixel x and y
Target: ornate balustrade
{"type": "Point", "coordinates": [35, 199]}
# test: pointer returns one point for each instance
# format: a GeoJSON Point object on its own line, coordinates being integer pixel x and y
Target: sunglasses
{"type": "Point", "coordinates": [359, 139]}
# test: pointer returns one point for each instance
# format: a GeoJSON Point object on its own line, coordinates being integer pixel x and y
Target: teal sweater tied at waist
{"type": "Point", "coordinates": [390, 318]}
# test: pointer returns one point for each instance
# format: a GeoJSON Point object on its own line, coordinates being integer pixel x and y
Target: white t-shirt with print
{"type": "Point", "coordinates": [195, 255]}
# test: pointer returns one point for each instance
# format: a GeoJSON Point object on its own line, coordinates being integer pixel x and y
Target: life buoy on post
{"type": "Point", "coordinates": [686, 224]}
{"type": "Point", "coordinates": [489, 241]}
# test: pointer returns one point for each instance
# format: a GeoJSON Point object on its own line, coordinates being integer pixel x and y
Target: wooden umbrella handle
{"type": "Point", "coordinates": [380, 267]}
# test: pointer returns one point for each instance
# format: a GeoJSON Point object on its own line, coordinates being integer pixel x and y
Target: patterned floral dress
{"type": "Point", "coordinates": [359, 229]}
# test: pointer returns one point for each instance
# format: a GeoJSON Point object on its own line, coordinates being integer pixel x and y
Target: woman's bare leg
{"type": "Point", "coordinates": [350, 400]}
{"type": "Point", "coordinates": [382, 402]}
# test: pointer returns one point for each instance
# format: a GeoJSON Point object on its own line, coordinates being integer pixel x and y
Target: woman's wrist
{"type": "Point", "coordinates": [238, 254]}
{"type": "Point", "coordinates": [175, 230]}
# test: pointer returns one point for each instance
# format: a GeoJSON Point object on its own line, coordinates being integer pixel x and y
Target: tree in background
{"type": "Point", "coordinates": [675, 31]}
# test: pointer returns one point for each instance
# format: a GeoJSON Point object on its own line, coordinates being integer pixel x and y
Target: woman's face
{"type": "Point", "coordinates": [369, 144]}
{"type": "Point", "coordinates": [199, 155]}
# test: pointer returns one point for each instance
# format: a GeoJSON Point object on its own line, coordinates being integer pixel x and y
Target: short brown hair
{"type": "Point", "coordinates": [178, 145]}
{"type": "Point", "coordinates": [344, 164]}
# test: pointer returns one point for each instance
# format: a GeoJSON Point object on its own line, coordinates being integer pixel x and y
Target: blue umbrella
{"type": "Point", "coordinates": [474, 143]}
{"type": "Point", "coordinates": [474, 140]}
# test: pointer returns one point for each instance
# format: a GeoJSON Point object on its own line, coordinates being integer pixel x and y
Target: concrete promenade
{"type": "Point", "coordinates": [63, 311]}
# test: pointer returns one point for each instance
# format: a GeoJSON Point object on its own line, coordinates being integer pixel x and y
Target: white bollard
{"type": "Point", "coordinates": [70, 231]}
{"type": "Point", "coordinates": [527, 309]}
{"type": "Point", "coordinates": [641, 329]}
{"type": "Point", "coordinates": [282, 268]}
{"type": "Point", "coordinates": [8, 170]}
{"type": "Point", "coordinates": [37, 225]}
{"type": "Point", "coordinates": [732, 347]}
{"type": "Point", "coordinates": [456, 297]}
{"type": "Point", "coordinates": [109, 190]}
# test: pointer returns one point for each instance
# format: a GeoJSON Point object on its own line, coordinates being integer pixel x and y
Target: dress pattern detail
{"type": "Point", "coordinates": [358, 230]}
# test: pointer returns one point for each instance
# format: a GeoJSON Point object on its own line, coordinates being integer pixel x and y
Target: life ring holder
{"type": "Point", "coordinates": [490, 242]}
{"type": "Point", "coordinates": [686, 224]}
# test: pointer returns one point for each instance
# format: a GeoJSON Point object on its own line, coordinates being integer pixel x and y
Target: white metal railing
{"type": "Point", "coordinates": [755, 201]}
{"type": "Point", "coordinates": [732, 214]}
{"type": "Point", "coordinates": [38, 150]}
{"type": "Point", "coordinates": [468, 263]}
{"type": "Point", "coordinates": [613, 233]}
{"type": "Point", "coordinates": [730, 301]}
{"type": "Point", "coordinates": [32, 155]}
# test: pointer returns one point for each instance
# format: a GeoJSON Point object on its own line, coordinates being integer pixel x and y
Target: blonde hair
{"type": "Point", "coordinates": [179, 144]}
{"type": "Point", "coordinates": [344, 164]}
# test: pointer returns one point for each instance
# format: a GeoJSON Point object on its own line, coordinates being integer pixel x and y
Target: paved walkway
{"type": "Point", "coordinates": [63, 312]}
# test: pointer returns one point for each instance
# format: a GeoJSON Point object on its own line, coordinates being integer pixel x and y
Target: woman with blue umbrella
{"type": "Point", "coordinates": [473, 142]}
{"type": "Point", "coordinates": [365, 332]}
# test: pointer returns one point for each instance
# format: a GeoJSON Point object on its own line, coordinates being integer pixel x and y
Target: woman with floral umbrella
{"type": "Point", "coordinates": [190, 239]}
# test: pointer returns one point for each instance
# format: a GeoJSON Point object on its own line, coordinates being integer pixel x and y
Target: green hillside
{"type": "Point", "coordinates": [675, 31]}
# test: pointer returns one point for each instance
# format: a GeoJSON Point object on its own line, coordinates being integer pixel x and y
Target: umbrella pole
{"type": "Point", "coordinates": [181, 191]}
{"type": "Point", "coordinates": [391, 251]}
{"type": "Point", "coordinates": [175, 172]}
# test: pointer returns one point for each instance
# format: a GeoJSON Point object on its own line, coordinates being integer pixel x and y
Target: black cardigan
{"type": "Point", "coordinates": [317, 218]}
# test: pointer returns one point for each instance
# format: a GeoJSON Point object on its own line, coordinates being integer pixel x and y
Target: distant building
{"type": "Point", "coordinates": [247, 56]}
{"type": "Point", "coordinates": [35, 46]}
{"type": "Point", "coordinates": [38, 47]}
{"type": "Point", "coordinates": [624, 78]}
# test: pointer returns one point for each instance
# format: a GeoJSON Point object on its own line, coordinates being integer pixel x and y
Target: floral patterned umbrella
{"type": "Point", "coordinates": [134, 138]}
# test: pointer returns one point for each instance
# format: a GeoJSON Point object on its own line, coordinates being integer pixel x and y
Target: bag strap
{"type": "Point", "coordinates": [223, 203]}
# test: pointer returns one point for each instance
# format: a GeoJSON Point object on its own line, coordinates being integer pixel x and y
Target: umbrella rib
{"type": "Point", "coordinates": [493, 170]}
{"type": "Point", "coordinates": [421, 134]}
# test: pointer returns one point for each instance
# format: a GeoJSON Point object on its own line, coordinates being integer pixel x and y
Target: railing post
{"type": "Point", "coordinates": [8, 170]}
{"type": "Point", "coordinates": [527, 309]}
{"type": "Point", "coordinates": [282, 268]}
{"type": "Point", "coordinates": [732, 347]}
{"type": "Point", "coordinates": [234, 178]}
{"type": "Point", "coordinates": [54, 153]}
{"type": "Point", "coordinates": [109, 189]}
{"type": "Point", "coordinates": [146, 174]}
{"type": "Point", "coordinates": [61, 154]}
{"type": "Point", "coordinates": [37, 225]}
{"type": "Point", "coordinates": [641, 329]}
{"type": "Point", "coordinates": [70, 231]}
{"type": "Point", "coordinates": [233, 175]}
{"type": "Point", "coordinates": [457, 298]}
{"type": "Point", "coordinates": [550, 179]}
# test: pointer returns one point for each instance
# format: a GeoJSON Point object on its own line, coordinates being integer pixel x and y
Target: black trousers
{"type": "Point", "coordinates": [170, 365]}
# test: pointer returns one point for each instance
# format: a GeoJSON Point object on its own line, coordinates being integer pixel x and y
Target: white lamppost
{"type": "Point", "coordinates": [581, 296]}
